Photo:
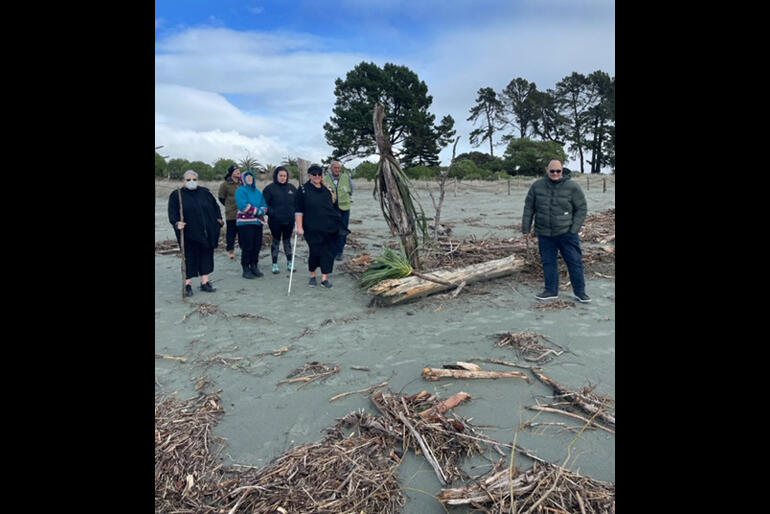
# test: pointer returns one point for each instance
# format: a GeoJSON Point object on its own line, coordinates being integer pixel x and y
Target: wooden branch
{"type": "Point", "coordinates": [438, 374]}
{"type": "Point", "coordinates": [582, 402]}
{"type": "Point", "coordinates": [570, 414]}
{"type": "Point", "coordinates": [365, 390]}
{"type": "Point", "coordinates": [395, 291]}
{"type": "Point", "coordinates": [164, 356]}
{"type": "Point", "coordinates": [445, 405]}
{"type": "Point", "coordinates": [425, 450]}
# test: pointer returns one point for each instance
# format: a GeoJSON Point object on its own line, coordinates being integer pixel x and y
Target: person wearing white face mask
{"type": "Point", "coordinates": [202, 224]}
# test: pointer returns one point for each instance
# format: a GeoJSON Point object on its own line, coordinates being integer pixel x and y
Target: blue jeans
{"type": "Point", "coordinates": [343, 239]}
{"type": "Point", "coordinates": [569, 246]}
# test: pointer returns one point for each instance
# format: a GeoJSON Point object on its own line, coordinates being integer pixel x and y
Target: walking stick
{"type": "Point", "coordinates": [181, 243]}
{"type": "Point", "coordinates": [293, 258]}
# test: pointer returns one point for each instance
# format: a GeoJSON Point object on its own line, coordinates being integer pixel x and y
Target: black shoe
{"type": "Point", "coordinates": [338, 257]}
{"type": "Point", "coordinates": [326, 283]}
{"type": "Point", "coordinates": [255, 271]}
{"type": "Point", "coordinates": [312, 282]}
{"type": "Point", "coordinates": [208, 287]}
{"type": "Point", "coordinates": [546, 295]}
{"type": "Point", "coordinates": [188, 290]}
{"type": "Point", "coordinates": [582, 297]}
{"type": "Point", "coordinates": [247, 272]}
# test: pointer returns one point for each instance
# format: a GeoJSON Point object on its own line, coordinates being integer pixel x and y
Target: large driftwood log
{"type": "Point", "coordinates": [393, 291]}
{"type": "Point", "coordinates": [438, 374]}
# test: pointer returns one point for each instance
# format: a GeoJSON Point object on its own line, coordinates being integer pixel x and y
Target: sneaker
{"type": "Point", "coordinates": [582, 297]}
{"type": "Point", "coordinates": [290, 266]}
{"type": "Point", "coordinates": [275, 268]}
{"type": "Point", "coordinates": [208, 287]}
{"type": "Point", "coordinates": [326, 284]}
{"type": "Point", "coordinates": [188, 290]}
{"type": "Point", "coordinates": [247, 273]}
{"type": "Point", "coordinates": [255, 270]}
{"type": "Point", "coordinates": [546, 295]}
{"type": "Point", "coordinates": [312, 282]}
{"type": "Point", "coordinates": [338, 257]}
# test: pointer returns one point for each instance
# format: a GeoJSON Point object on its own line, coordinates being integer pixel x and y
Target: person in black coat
{"type": "Point", "coordinates": [202, 224]}
{"type": "Point", "coordinates": [279, 197]}
{"type": "Point", "coordinates": [319, 221]}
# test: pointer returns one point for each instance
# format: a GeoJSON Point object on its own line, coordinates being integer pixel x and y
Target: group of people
{"type": "Point", "coordinates": [320, 210]}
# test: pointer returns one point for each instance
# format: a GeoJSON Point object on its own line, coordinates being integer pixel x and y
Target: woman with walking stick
{"type": "Point", "coordinates": [197, 221]}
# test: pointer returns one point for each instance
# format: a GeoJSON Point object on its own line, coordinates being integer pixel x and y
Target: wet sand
{"type": "Point", "coordinates": [335, 326]}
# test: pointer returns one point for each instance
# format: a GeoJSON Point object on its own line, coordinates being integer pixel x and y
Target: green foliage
{"type": "Point", "coordinates": [160, 166]}
{"type": "Point", "coordinates": [366, 170]}
{"type": "Point", "coordinates": [531, 157]}
{"type": "Point", "coordinates": [421, 172]}
{"type": "Point", "coordinates": [204, 171]}
{"type": "Point", "coordinates": [462, 168]}
{"type": "Point", "coordinates": [177, 167]}
{"type": "Point", "coordinates": [390, 264]}
{"type": "Point", "coordinates": [221, 165]}
{"type": "Point", "coordinates": [491, 111]}
{"type": "Point", "coordinates": [408, 123]}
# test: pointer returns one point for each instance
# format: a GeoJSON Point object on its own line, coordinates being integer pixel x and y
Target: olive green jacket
{"type": "Point", "coordinates": [342, 191]}
{"type": "Point", "coordinates": [227, 197]}
{"type": "Point", "coordinates": [558, 207]}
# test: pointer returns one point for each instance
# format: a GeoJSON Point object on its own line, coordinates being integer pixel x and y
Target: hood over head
{"type": "Point", "coordinates": [275, 174]}
{"type": "Point", "coordinates": [243, 178]}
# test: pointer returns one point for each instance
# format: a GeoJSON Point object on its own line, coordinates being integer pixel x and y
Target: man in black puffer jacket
{"type": "Point", "coordinates": [559, 208]}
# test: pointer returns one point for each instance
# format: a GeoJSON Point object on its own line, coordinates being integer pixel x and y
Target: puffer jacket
{"type": "Point", "coordinates": [250, 202]}
{"type": "Point", "coordinates": [558, 207]}
{"type": "Point", "coordinates": [227, 197]}
{"type": "Point", "coordinates": [280, 201]}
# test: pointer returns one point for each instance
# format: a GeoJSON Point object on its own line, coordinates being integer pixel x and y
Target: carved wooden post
{"type": "Point", "coordinates": [302, 166]}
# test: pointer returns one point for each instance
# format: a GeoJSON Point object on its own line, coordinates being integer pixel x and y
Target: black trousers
{"type": "Point", "coordinates": [232, 231]}
{"type": "Point", "coordinates": [198, 259]}
{"type": "Point", "coordinates": [250, 240]}
{"type": "Point", "coordinates": [322, 251]}
{"type": "Point", "coordinates": [281, 232]}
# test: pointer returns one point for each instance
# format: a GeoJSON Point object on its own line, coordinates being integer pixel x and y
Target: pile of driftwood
{"type": "Point", "coordinates": [354, 472]}
{"type": "Point", "coordinates": [310, 372]}
{"type": "Point", "coordinates": [188, 475]}
{"type": "Point", "coordinates": [591, 409]}
{"type": "Point", "coordinates": [544, 487]}
{"type": "Point", "coordinates": [599, 227]}
{"type": "Point", "coordinates": [528, 346]}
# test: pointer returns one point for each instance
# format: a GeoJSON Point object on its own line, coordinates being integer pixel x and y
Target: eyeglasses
{"type": "Point", "coordinates": [554, 171]}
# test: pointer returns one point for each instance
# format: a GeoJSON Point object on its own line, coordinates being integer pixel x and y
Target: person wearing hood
{"type": "Point", "coordinates": [279, 197]}
{"type": "Point", "coordinates": [226, 196]}
{"type": "Point", "coordinates": [202, 224]}
{"type": "Point", "coordinates": [248, 219]}
{"type": "Point", "coordinates": [320, 222]}
{"type": "Point", "coordinates": [559, 209]}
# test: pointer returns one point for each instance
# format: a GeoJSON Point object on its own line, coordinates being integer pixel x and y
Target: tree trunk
{"type": "Point", "coordinates": [400, 223]}
{"type": "Point", "coordinates": [439, 373]}
{"type": "Point", "coordinates": [394, 291]}
{"type": "Point", "coordinates": [302, 166]}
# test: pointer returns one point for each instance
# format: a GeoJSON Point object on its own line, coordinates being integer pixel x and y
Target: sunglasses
{"type": "Point", "coordinates": [190, 179]}
{"type": "Point", "coordinates": [554, 171]}
{"type": "Point", "coordinates": [316, 174]}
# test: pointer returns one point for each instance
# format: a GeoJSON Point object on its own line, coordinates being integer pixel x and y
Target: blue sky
{"type": "Point", "coordinates": [257, 77]}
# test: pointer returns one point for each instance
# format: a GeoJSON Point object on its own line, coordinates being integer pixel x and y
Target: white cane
{"type": "Point", "coordinates": [293, 259]}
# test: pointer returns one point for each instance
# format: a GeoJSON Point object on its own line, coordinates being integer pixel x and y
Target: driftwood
{"type": "Point", "coordinates": [438, 374]}
{"type": "Point", "coordinates": [591, 405]}
{"type": "Point", "coordinates": [394, 291]}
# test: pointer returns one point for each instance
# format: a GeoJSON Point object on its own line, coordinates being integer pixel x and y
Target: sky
{"type": "Point", "coordinates": [238, 78]}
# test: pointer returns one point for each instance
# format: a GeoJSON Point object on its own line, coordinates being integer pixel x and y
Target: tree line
{"type": "Point", "coordinates": [576, 116]}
